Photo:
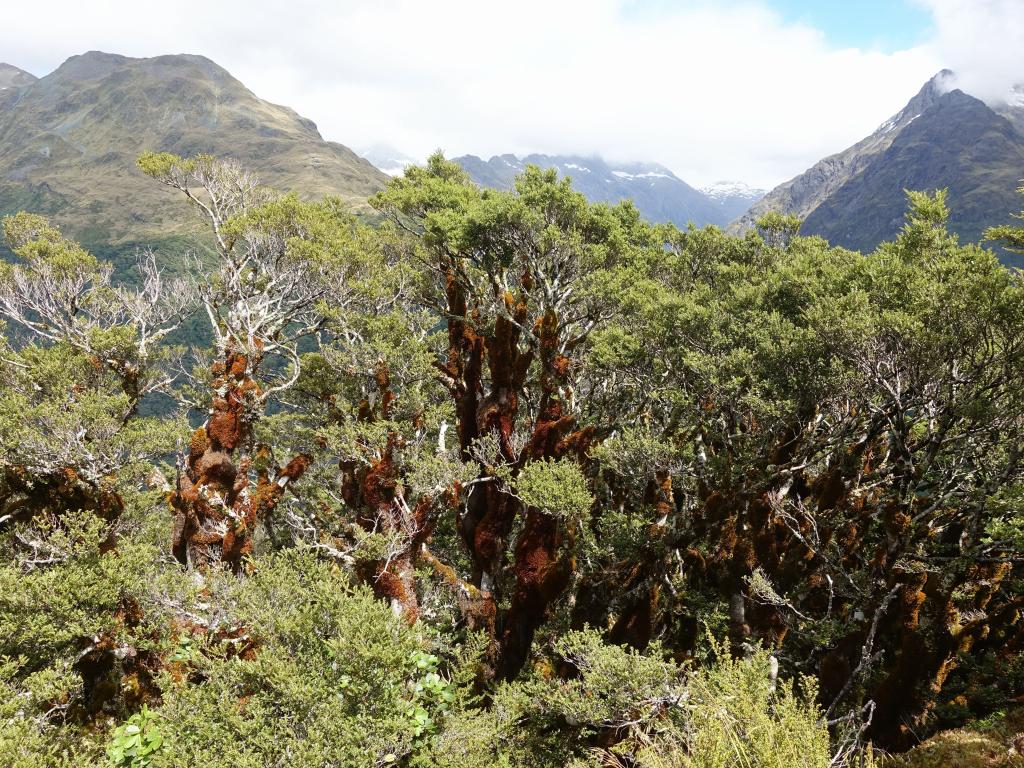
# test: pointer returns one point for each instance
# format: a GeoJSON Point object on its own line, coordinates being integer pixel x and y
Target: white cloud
{"type": "Point", "coordinates": [982, 41]}
{"type": "Point", "coordinates": [713, 90]}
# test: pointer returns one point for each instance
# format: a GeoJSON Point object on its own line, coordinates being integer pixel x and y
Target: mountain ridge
{"type": "Point", "coordinates": [69, 141]}
{"type": "Point", "coordinates": [657, 192]}
{"type": "Point", "coordinates": [13, 77]}
{"type": "Point", "coordinates": [802, 194]}
{"type": "Point", "coordinates": [956, 136]}
{"type": "Point", "coordinates": [942, 139]}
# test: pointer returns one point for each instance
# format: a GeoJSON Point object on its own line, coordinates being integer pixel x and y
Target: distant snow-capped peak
{"type": "Point", "coordinates": [388, 159]}
{"type": "Point", "coordinates": [721, 190]}
{"type": "Point", "coordinates": [644, 175]}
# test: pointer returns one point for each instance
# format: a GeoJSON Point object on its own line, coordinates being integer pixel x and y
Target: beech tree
{"type": "Point", "coordinates": [521, 281]}
{"type": "Point", "coordinates": [275, 258]}
{"type": "Point", "coordinates": [86, 352]}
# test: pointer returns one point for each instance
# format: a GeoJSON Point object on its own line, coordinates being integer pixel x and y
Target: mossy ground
{"type": "Point", "coordinates": [994, 743]}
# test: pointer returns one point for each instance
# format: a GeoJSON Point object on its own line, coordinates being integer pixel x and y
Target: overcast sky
{"type": "Point", "coordinates": [752, 90]}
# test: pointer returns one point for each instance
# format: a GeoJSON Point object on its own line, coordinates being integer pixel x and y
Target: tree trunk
{"type": "Point", "coordinates": [217, 507]}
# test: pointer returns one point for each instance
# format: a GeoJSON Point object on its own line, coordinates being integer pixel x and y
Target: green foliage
{"type": "Point", "coordinates": [33, 239]}
{"type": "Point", "coordinates": [741, 716]}
{"type": "Point", "coordinates": [555, 487]}
{"type": "Point", "coordinates": [614, 687]}
{"type": "Point", "coordinates": [1010, 236]}
{"type": "Point", "coordinates": [431, 692]}
{"type": "Point", "coordinates": [28, 739]}
{"type": "Point", "coordinates": [731, 714]}
{"type": "Point", "coordinates": [338, 680]}
{"type": "Point", "coordinates": [60, 411]}
{"type": "Point", "coordinates": [160, 165]}
{"type": "Point", "coordinates": [778, 229]}
{"type": "Point", "coordinates": [517, 415]}
{"type": "Point", "coordinates": [135, 744]}
{"type": "Point", "coordinates": [80, 626]}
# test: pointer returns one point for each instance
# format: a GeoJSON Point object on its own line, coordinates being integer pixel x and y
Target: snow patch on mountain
{"type": "Point", "coordinates": [646, 175]}
{"type": "Point", "coordinates": [388, 159]}
{"type": "Point", "coordinates": [723, 190]}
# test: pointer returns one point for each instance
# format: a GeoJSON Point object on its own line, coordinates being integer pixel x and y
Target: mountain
{"type": "Point", "coordinates": [801, 195]}
{"type": "Point", "coordinates": [659, 194]}
{"type": "Point", "coordinates": [12, 77]}
{"type": "Point", "coordinates": [12, 80]}
{"type": "Point", "coordinates": [734, 198]}
{"type": "Point", "coordinates": [388, 159]}
{"type": "Point", "coordinates": [959, 143]}
{"type": "Point", "coordinates": [1012, 107]}
{"type": "Point", "coordinates": [943, 138]}
{"type": "Point", "coordinates": [69, 141]}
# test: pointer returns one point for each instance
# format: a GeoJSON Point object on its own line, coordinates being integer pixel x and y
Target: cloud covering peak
{"type": "Point", "coordinates": [982, 41]}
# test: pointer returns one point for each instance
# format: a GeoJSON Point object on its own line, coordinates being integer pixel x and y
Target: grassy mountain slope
{"type": "Point", "coordinates": [69, 140]}
{"type": "Point", "coordinates": [12, 80]}
{"type": "Point", "coordinates": [12, 77]}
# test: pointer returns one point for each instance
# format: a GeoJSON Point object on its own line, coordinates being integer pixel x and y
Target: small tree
{"type": "Point", "coordinates": [60, 293]}
{"type": "Point", "coordinates": [1011, 237]}
{"type": "Point", "coordinates": [276, 258]}
{"type": "Point", "coordinates": [84, 354]}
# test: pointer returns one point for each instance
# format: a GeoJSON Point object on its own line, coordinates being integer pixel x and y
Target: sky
{"type": "Point", "coordinates": [743, 90]}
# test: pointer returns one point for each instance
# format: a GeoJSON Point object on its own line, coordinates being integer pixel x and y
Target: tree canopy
{"type": "Point", "coordinates": [506, 478]}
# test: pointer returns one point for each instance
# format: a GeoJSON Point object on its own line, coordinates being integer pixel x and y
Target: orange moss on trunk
{"type": "Point", "coordinates": [217, 505]}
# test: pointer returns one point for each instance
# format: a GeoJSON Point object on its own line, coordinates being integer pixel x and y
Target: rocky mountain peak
{"type": "Point", "coordinates": [802, 195]}
{"type": "Point", "coordinates": [939, 85]}
{"type": "Point", "coordinates": [943, 139]}
{"type": "Point", "coordinates": [12, 77]}
{"type": "Point", "coordinates": [100, 66]}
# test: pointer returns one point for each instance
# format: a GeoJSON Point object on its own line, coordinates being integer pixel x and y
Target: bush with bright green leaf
{"type": "Point", "coordinates": [555, 487]}
{"type": "Point", "coordinates": [611, 706]}
{"type": "Point", "coordinates": [136, 743]}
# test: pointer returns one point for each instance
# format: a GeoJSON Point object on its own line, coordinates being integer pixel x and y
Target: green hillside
{"type": "Point", "coordinates": [69, 141]}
